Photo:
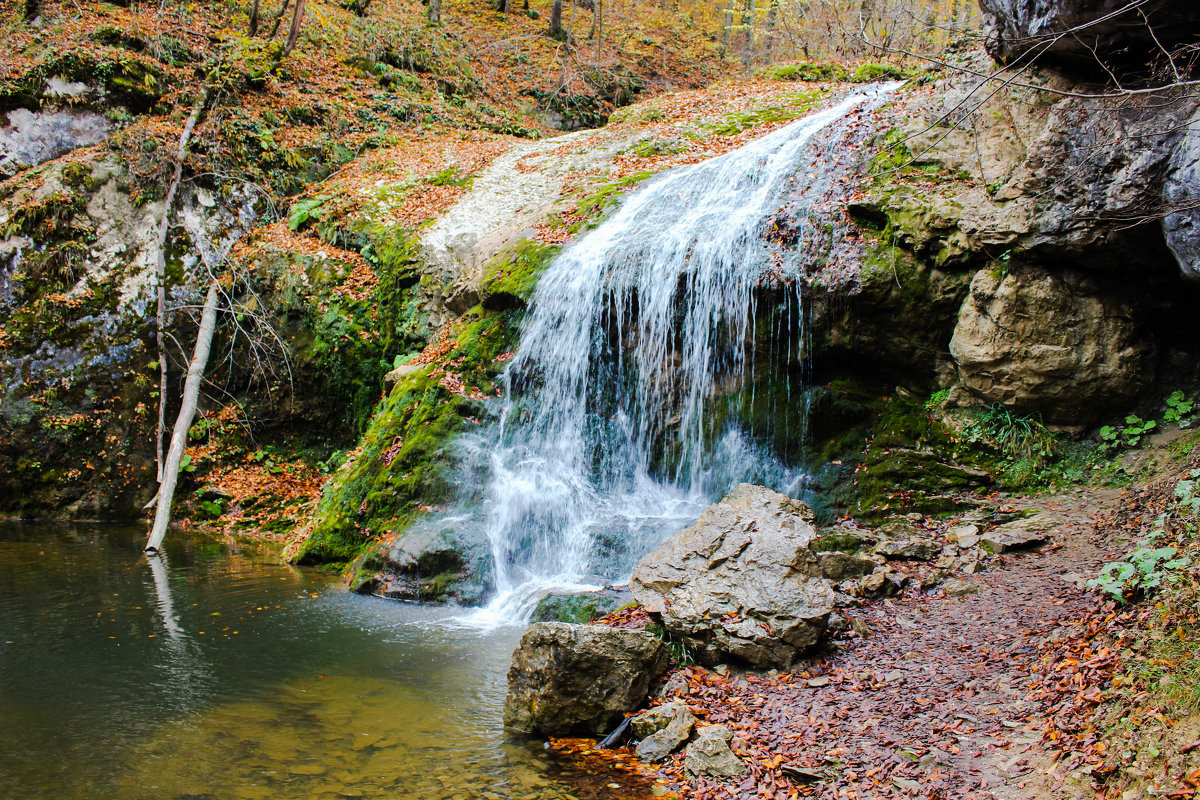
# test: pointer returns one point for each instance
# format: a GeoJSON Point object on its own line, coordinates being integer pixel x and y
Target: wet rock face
{"type": "Point", "coordinates": [32, 137]}
{"type": "Point", "coordinates": [1181, 195]}
{"type": "Point", "coordinates": [1050, 343]}
{"type": "Point", "coordinates": [1113, 31]}
{"type": "Point", "coordinates": [579, 678]}
{"type": "Point", "coordinates": [742, 583]}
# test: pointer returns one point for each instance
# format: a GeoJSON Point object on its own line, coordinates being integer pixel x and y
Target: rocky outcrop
{"type": "Point", "coordinates": [1050, 343]}
{"type": "Point", "coordinates": [742, 583]}
{"type": "Point", "coordinates": [32, 137]}
{"type": "Point", "coordinates": [579, 678]}
{"type": "Point", "coordinates": [1181, 196]}
{"type": "Point", "coordinates": [1079, 33]}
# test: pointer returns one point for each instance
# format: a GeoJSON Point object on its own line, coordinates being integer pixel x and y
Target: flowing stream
{"type": "Point", "coordinates": [625, 410]}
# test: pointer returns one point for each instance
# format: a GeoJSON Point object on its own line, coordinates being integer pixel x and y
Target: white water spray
{"type": "Point", "coordinates": [618, 426]}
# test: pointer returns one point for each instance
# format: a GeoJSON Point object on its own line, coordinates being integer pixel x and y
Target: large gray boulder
{"type": "Point", "coordinates": [1181, 195]}
{"type": "Point", "coordinates": [1049, 343]}
{"type": "Point", "coordinates": [579, 679]}
{"type": "Point", "coordinates": [1115, 31]}
{"type": "Point", "coordinates": [743, 582]}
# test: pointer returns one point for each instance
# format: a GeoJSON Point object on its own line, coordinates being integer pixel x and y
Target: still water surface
{"type": "Point", "coordinates": [221, 673]}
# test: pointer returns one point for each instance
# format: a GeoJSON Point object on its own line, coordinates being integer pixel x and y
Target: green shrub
{"type": "Point", "coordinates": [1145, 568]}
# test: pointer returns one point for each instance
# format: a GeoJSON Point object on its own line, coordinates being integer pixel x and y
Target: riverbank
{"type": "Point", "coordinates": [1019, 682]}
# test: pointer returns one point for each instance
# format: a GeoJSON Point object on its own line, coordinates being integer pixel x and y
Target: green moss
{"type": "Point", "coordinates": [648, 148]}
{"type": "Point", "coordinates": [869, 72]}
{"type": "Point", "coordinates": [512, 276]}
{"type": "Point", "coordinates": [795, 106]}
{"type": "Point", "coordinates": [578, 609]}
{"type": "Point", "coordinates": [595, 206]}
{"type": "Point", "coordinates": [810, 71]}
{"type": "Point", "coordinates": [912, 464]}
{"type": "Point", "coordinates": [134, 82]}
{"type": "Point", "coordinates": [365, 571]}
{"type": "Point", "coordinates": [839, 543]}
{"type": "Point", "coordinates": [407, 460]}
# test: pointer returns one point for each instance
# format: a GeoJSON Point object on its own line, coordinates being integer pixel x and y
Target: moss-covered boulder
{"type": "Point", "coordinates": [579, 608]}
{"type": "Point", "coordinates": [406, 467]}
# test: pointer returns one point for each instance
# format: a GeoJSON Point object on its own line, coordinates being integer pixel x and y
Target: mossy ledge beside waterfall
{"type": "Point", "coordinates": [630, 403]}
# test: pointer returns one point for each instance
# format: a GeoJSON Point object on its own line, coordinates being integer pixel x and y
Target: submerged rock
{"type": "Point", "coordinates": [709, 754]}
{"type": "Point", "coordinates": [435, 564]}
{"type": "Point", "coordinates": [579, 678]}
{"type": "Point", "coordinates": [743, 582]}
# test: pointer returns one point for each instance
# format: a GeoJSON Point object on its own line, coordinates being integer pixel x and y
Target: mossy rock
{"type": "Point", "coordinates": [578, 608]}
{"type": "Point", "coordinates": [810, 71]}
{"type": "Point", "coordinates": [133, 82]}
{"type": "Point", "coordinates": [837, 540]}
{"type": "Point", "coordinates": [512, 277]}
{"type": "Point", "coordinates": [407, 458]}
{"type": "Point", "coordinates": [437, 563]}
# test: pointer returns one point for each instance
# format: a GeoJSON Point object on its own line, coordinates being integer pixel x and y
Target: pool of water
{"type": "Point", "coordinates": [217, 672]}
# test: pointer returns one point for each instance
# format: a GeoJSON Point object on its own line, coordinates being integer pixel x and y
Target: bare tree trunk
{"type": "Point", "coordinates": [278, 18]}
{"type": "Point", "coordinates": [770, 34]}
{"type": "Point", "coordinates": [435, 10]}
{"type": "Point", "coordinates": [556, 29]}
{"type": "Point", "coordinates": [187, 410]}
{"type": "Point", "coordinates": [728, 26]}
{"type": "Point", "coordinates": [748, 24]}
{"type": "Point", "coordinates": [160, 270]}
{"type": "Point", "coordinates": [252, 28]}
{"type": "Point", "coordinates": [599, 27]}
{"type": "Point", "coordinates": [294, 32]}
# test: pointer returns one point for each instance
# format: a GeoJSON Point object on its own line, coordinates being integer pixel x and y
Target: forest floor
{"type": "Point", "coordinates": [1017, 691]}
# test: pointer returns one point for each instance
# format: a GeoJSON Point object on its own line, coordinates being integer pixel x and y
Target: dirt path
{"type": "Point", "coordinates": [931, 700]}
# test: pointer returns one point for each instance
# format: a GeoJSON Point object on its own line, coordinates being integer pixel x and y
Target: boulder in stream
{"type": "Point", "coordinates": [743, 582]}
{"type": "Point", "coordinates": [579, 679]}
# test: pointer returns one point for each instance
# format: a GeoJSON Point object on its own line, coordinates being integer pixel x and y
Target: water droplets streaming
{"type": "Point", "coordinates": [630, 401]}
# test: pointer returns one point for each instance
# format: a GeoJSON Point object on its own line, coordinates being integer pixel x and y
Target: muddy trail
{"type": "Point", "coordinates": [925, 695]}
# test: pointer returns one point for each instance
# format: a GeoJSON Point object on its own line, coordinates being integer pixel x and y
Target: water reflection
{"type": "Point", "coordinates": [162, 588]}
{"type": "Point", "coordinates": [214, 672]}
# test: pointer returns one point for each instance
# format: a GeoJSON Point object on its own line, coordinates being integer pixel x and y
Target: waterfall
{"type": "Point", "coordinates": [620, 420]}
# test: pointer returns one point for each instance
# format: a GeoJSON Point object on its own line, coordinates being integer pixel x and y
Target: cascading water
{"type": "Point", "coordinates": [618, 425]}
